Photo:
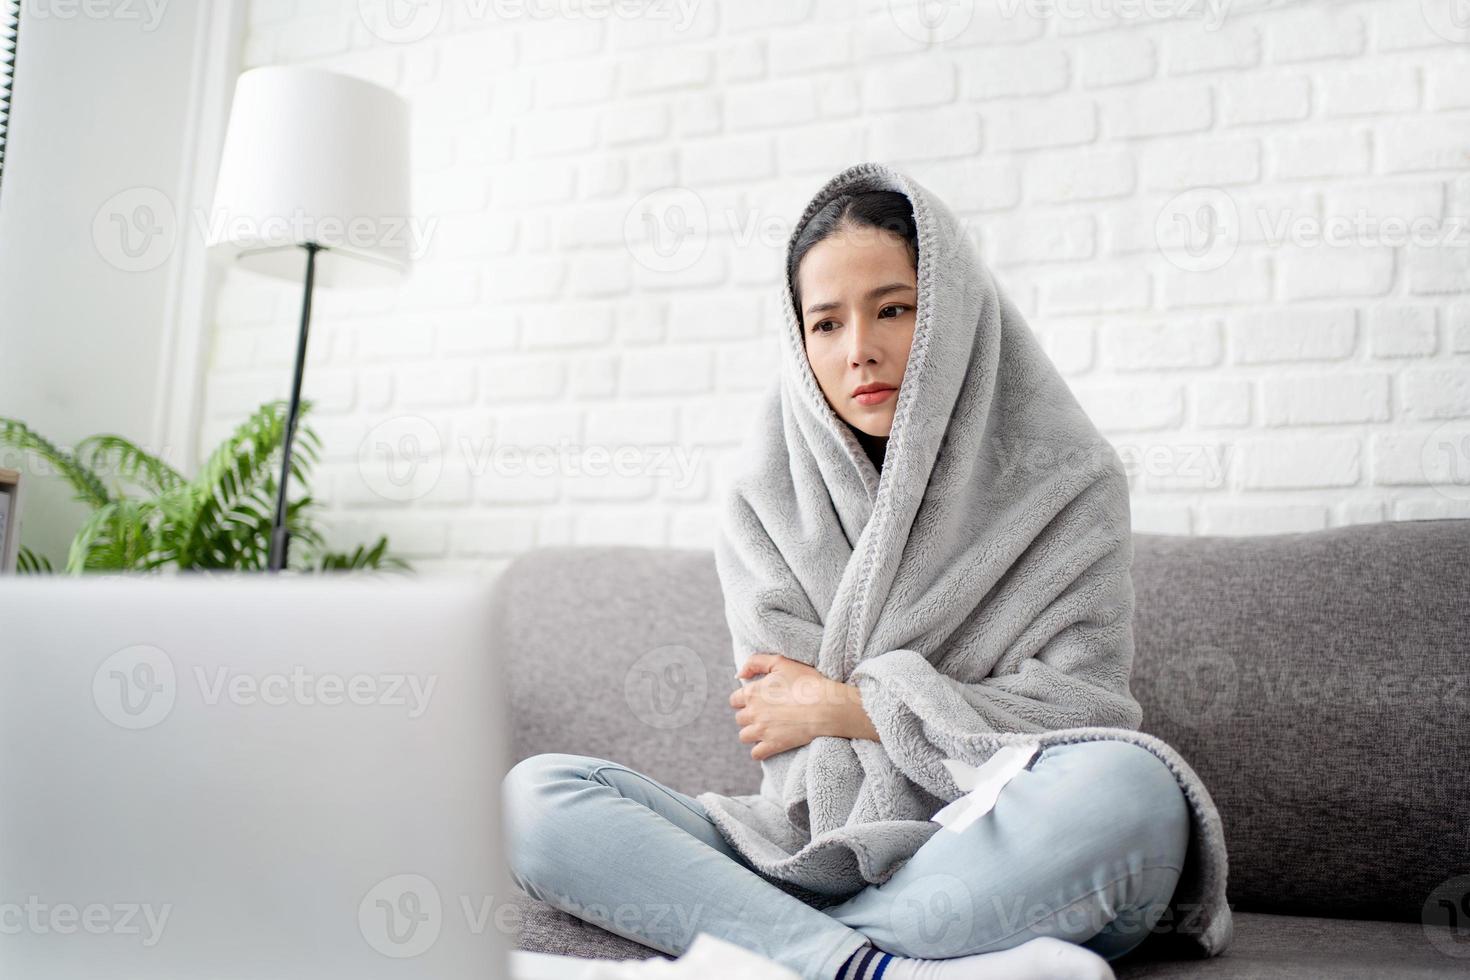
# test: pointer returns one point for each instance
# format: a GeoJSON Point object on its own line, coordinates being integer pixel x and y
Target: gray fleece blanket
{"type": "Point", "coordinates": [976, 590]}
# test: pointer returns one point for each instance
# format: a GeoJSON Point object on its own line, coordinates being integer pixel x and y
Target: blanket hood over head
{"type": "Point", "coordinates": [977, 590]}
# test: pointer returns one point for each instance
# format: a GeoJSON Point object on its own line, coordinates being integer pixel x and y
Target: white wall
{"type": "Point", "coordinates": [108, 101]}
{"type": "Point", "coordinates": [1326, 382]}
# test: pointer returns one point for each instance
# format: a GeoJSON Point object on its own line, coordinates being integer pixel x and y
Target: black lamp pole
{"type": "Point", "coordinates": [280, 538]}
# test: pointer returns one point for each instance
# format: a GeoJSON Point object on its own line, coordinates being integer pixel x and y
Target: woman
{"type": "Point", "coordinates": [908, 585]}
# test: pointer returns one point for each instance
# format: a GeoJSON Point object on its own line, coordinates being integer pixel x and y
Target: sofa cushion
{"type": "Point", "coordinates": [1278, 946]}
{"type": "Point", "coordinates": [544, 928]}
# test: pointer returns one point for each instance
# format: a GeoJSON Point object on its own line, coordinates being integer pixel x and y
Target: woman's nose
{"type": "Point", "coordinates": [861, 342]}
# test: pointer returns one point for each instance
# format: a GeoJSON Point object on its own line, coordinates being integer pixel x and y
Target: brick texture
{"type": "Point", "coordinates": [1242, 243]}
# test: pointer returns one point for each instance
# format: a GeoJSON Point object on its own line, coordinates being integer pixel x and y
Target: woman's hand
{"type": "Point", "coordinates": [794, 703]}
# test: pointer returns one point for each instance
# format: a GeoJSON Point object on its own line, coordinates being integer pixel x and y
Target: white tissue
{"type": "Point", "coordinates": [983, 784]}
{"type": "Point", "coordinates": [707, 958]}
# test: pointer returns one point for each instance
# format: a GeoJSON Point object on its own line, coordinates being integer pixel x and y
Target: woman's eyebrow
{"type": "Point", "coordinates": [872, 294]}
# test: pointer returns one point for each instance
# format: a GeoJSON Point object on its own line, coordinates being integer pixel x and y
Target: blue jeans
{"type": "Point", "coordinates": [1086, 845]}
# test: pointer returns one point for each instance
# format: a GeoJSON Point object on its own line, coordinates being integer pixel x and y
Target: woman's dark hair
{"type": "Point", "coordinates": [884, 210]}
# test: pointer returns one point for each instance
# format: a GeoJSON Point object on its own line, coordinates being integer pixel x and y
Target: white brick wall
{"type": "Point", "coordinates": [1307, 381]}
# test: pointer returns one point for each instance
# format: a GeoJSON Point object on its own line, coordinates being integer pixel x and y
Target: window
{"type": "Point", "coordinates": [9, 31]}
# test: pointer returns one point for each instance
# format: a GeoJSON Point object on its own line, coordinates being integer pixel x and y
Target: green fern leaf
{"type": "Point", "coordinates": [88, 487]}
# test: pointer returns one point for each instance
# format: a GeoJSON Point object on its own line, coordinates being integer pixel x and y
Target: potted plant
{"type": "Point", "coordinates": [151, 517]}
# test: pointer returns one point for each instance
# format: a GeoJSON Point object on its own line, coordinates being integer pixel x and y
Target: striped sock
{"type": "Point", "coordinates": [1042, 958]}
{"type": "Point", "coordinates": [867, 962]}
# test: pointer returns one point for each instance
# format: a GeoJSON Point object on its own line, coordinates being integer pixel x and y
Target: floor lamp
{"type": "Point", "coordinates": [315, 174]}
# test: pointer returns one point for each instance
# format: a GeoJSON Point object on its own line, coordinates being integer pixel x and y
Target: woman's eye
{"type": "Point", "coordinates": [817, 327]}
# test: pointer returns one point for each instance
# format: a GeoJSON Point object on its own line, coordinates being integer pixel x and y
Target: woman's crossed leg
{"type": "Point", "coordinates": [1085, 846]}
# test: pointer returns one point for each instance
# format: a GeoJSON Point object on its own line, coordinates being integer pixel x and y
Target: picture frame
{"type": "Point", "coordinates": [9, 520]}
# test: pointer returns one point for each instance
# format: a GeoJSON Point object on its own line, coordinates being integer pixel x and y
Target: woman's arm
{"type": "Point", "coordinates": [853, 720]}
{"type": "Point", "coordinates": [790, 703]}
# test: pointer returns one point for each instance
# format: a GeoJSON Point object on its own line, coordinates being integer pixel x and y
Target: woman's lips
{"type": "Point", "coordinates": [874, 397]}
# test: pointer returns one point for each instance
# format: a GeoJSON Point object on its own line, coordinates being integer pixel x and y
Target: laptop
{"type": "Point", "coordinates": [251, 778]}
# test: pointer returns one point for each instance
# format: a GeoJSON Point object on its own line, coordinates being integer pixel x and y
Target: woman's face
{"type": "Point", "coordinates": [860, 293]}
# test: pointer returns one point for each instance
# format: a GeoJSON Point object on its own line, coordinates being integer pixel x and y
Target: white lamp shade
{"type": "Point", "coordinates": [314, 156]}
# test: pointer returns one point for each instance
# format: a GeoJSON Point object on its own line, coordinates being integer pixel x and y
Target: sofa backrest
{"type": "Point", "coordinates": [1319, 683]}
{"type": "Point", "coordinates": [622, 652]}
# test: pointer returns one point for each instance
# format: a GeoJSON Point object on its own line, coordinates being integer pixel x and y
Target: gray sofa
{"type": "Point", "coordinates": [1318, 682]}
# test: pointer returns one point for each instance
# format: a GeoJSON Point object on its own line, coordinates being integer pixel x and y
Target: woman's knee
{"type": "Point", "coordinates": [524, 783]}
{"type": "Point", "coordinates": [528, 805]}
{"type": "Point", "coordinates": [1139, 791]}
{"type": "Point", "coordinates": [1135, 789]}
